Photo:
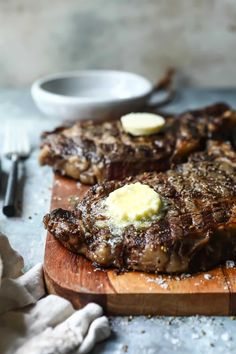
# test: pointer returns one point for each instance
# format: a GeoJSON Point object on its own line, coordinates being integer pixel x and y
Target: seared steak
{"type": "Point", "coordinates": [196, 231]}
{"type": "Point", "coordinates": [94, 152]}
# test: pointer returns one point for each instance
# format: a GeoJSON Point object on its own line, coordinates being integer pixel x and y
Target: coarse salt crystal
{"type": "Point", "coordinates": [207, 276]}
{"type": "Point", "coordinates": [225, 337]}
{"type": "Point", "coordinates": [159, 281]}
{"type": "Point", "coordinates": [175, 341]}
{"type": "Point", "coordinates": [185, 275]}
{"type": "Point", "coordinates": [229, 264]}
{"type": "Point", "coordinates": [165, 286]}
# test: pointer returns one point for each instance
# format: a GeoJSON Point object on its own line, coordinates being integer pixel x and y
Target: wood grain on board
{"type": "Point", "coordinates": [131, 293]}
{"type": "Point", "coordinates": [230, 275]}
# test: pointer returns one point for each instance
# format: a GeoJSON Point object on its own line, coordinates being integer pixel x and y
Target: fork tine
{"type": "Point", "coordinates": [7, 139]}
{"type": "Point", "coordinates": [25, 146]}
{"type": "Point", "coordinates": [16, 140]}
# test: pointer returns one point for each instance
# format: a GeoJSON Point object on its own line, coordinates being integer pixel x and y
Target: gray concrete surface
{"type": "Point", "coordinates": [144, 36]}
{"type": "Point", "coordinates": [165, 335]}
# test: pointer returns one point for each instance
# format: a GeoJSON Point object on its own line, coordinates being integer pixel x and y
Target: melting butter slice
{"type": "Point", "coordinates": [132, 203]}
{"type": "Point", "coordinates": [142, 123]}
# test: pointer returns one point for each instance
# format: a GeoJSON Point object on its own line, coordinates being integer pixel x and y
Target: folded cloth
{"type": "Point", "coordinates": [31, 322]}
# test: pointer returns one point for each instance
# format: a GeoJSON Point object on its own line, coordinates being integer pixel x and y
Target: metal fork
{"type": "Point", "coordinates": [16, 147]}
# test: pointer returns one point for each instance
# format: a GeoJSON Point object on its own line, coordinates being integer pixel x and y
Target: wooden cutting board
{"type": "Point", "coordinates": [131, 293]}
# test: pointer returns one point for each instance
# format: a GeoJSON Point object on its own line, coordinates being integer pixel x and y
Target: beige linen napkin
{"type": "Point", "coordinates": [31, 322]}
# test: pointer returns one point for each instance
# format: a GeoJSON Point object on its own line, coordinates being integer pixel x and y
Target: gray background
{"type": "Point", "coordinates": [38, 37]}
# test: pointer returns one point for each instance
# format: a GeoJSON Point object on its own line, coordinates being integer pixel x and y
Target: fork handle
{"type": "Point", "coordinates": [9, 207]}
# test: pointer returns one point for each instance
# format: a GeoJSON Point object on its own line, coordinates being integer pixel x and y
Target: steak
{"type": "Point", "coordinates": [196, 230]}
{"type": "Point", "coordinates": [94, 152]}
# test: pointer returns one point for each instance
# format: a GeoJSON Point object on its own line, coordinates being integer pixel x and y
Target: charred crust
{"type": "Point", "coordinates": [198, 220]}
{"type": "Point", "coordinates": [92, 152]}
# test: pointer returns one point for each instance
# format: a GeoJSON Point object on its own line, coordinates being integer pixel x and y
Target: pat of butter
{"type": "Point", "coordinates": [132, 203]}
{"type": "Point", "coordinates": [138, 124]}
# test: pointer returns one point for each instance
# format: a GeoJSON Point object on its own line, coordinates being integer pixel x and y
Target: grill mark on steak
{"type": "Point", "coordinates": [200, 200]}
{"type": "Point", "coordinates": [190, 196]}
{"type": "Point", "coordinates": [196, 232]}
{"type": "Point", "coordinates": [93, 152]}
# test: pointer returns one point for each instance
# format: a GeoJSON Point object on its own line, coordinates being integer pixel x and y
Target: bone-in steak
{"type": "Point", "coordinates": [94, 152]}
{"type": "Point", "coordinates": [196, 231]}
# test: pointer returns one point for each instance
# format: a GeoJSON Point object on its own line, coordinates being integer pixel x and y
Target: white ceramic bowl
{"type": "Point", "coordinates": [91, 94]}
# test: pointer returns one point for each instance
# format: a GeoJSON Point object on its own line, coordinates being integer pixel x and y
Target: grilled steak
{"type": "Point", "coordinates": [93, 152]}
{"type": "Point", "coordinates": [196, 231]}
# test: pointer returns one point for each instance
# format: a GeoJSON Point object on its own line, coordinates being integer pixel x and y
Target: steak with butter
{"type": "Point", "coordinates": [182, 220]}
{"type": "Point", "coordinates": [94, 152]}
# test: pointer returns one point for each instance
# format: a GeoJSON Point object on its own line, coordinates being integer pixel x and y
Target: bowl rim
{"type": "Point", "coordinates": [36, 88]}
